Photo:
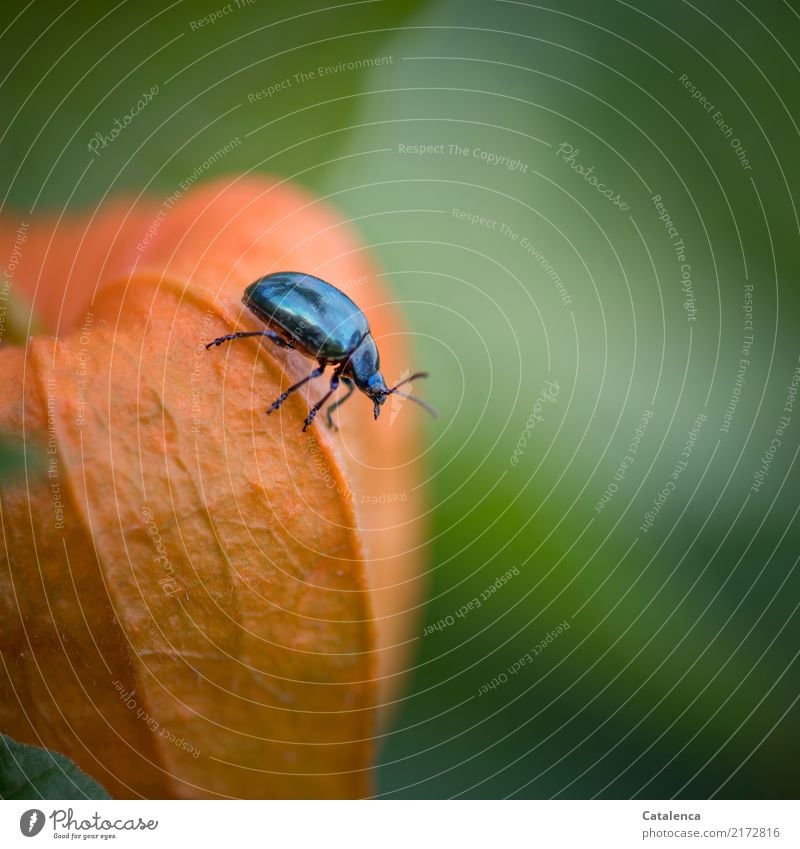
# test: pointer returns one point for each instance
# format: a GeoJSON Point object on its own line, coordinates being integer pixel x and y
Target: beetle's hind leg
{"type": "Point", "coordinates": [329, 412]}
{"type": "Point", "coordinates": [270, 334]}
{"type": "Point", "coordinates": [284, 395]}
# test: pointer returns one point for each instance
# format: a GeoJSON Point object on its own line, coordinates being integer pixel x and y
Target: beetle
{"type": "Point", "coordinates": [315, 318]}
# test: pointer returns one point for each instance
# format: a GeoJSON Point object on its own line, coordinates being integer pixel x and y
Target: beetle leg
{"type": "Point", "coordinates": [315, 409]}
{"type": "Point", "coordinates": [270, 334]}
{"type": "Point", "coordinates": [284, 395]}
{"type": "Point", "coordinates": [350, 389]}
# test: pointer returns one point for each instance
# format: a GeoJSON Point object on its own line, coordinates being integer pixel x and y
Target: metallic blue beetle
{"type": "Point", "coordinates": [315, 318]}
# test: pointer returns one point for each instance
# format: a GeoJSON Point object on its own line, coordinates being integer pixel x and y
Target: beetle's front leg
{"type": "Point", "coordinates": [339, 401]}
{"type": "Point", "coordinates": [315, 409]}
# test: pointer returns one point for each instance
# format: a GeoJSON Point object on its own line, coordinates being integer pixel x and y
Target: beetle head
{"type": "Point", "coordinates": [379, 392]}
{"type": "Point", "coordinates": [364, 368]}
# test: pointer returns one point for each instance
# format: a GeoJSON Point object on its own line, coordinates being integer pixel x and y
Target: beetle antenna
{"type": "Point", "coordinates": [411, 397]}
{"type": "Point", "coordinates": [419, 401]}
{"type": "Point", "coordinates": [407, 380]}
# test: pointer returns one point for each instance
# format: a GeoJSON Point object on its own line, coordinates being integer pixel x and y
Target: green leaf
{"type": "Point", "coordinates": [11, 459]}
{"type": "Point", "coordinates": [28, 772]}
{"type": "Point", "coordinates": [15, 458]}
{"type": "Point", "coordinates": [282, 80]}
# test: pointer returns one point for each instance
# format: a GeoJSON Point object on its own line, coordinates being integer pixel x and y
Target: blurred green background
{"type": "Point", "coordinates": [678, 674]}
